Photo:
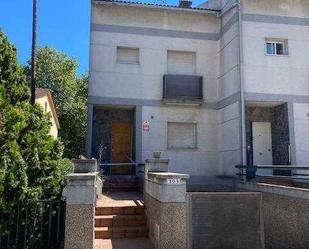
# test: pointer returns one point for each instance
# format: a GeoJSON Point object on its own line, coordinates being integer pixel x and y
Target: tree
{"type": "Point", "coordinates": [58, 72]}
{"type": "Point", "coordinates": [31, 164]}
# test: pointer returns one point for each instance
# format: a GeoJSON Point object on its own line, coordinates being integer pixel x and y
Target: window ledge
{"type": "Point", "coordinates": [277, 55]}
{"type": "Point", "coordinates": [128, 63]}
{"type": "Point", "coordinates": [187, 102]}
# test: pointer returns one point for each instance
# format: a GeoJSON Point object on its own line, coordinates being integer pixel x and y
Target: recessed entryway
{"type": "Point", "coordinates": [113, 139]}
{"type": "Point", "coordinates": [268, 140]}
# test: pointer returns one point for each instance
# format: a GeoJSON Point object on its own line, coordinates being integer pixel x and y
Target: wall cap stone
{"type": "Point", "coordinates": [85, 165]}
{"type": "Point", "coordinates": [165, 175]}
{"type": "Point", "coordinates": [81, 176]}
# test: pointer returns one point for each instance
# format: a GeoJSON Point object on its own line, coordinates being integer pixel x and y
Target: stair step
{"type": "Point", "coordinates": [130, 210]}
{"type": "Point", "coordinates": [120, 232]}
{"type": "Point", "coordinates": [121, 178]}
{"type": "Point", "coordinates": [120, 220]}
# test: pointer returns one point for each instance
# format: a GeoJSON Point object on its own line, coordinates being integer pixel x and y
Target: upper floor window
{"type": "Point", "coordinates": [276, 46]}
{"type": "Point", "coordinates": [181, 62]}
{"type": "Point", "coordinates": [127, 55]}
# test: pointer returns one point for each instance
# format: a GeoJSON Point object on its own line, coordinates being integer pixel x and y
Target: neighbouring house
{"type": "Point", "coordinates": [44, 98]}
{"type": "Point", "coordinates": [212, 86]}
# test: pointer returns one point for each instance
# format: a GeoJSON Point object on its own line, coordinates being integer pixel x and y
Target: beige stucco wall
{"type": "Point", "coordinates": [41, 101]}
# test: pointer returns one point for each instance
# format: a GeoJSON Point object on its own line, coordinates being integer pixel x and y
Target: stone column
{"type": "Point", "coordinates": [81, 191]}
{"type": "Point", "coordinates": [166, 205]}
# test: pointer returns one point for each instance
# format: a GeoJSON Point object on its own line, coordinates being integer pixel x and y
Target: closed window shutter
{"type": "Point", "coordinates": [179, 62]}
{"type": "Point", "coordinates": [127, 55]}
{"type": "Point", "coordinates": [181, 135]}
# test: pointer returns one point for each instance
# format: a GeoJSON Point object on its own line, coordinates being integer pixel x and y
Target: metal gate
{"type": "Point", "coordinates": [34, 225]}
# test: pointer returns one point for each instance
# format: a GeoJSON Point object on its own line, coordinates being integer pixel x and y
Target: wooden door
{"type": "Point", "coordinates": [121, 147]}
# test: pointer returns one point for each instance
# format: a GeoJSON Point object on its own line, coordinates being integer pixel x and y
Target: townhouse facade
{"type": "Point", "coordinates": [212, 86]}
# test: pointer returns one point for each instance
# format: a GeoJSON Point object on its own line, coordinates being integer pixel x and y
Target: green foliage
{"type": "Point", "coordinates": [31, 164]}
{"type": "Point", "coordinates": [57, 72]}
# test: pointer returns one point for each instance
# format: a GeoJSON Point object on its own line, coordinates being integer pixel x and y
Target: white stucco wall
{"type": "Point", "coordinates": [229, 138]}
{"type": "Point", "coordinates": [301, 130]}
{"type": "Point", "coordinates": [291, 8]}
{"type": "Point", "coordinates": [197, 162]}
{"type": "Point", "coordinates": [144, 81]}
{"type": "Point", "coordinates": [286, 74]}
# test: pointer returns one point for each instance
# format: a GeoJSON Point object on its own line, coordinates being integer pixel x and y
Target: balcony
{"type": "Point", "coordinates": [182, 89]}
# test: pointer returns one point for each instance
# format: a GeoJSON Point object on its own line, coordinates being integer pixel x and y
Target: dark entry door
{"type": "Point", "coordinates": [121, 147]}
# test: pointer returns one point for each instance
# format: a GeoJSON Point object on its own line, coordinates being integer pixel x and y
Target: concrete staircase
{"type": "Point", "coordinates": [121, 183]}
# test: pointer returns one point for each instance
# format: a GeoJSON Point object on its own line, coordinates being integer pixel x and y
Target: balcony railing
{"type": "Point", "coordinates": [182, 87]}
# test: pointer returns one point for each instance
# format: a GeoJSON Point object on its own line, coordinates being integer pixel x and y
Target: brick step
{"type": "Point", "coordinates": [120, 232]}
{"type": "Point", "coordinates": [130, 210]}
{"type": "Point", "coordinates": [120, 220]}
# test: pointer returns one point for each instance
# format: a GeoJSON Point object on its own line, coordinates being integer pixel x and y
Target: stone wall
{"type": "Point", "coordinates": [168, 218]}
{"type": "Point", "coordinates": [286, 215]}
{"type": "Point", "coordinates": [286, 221]}
{"type": "Point", "coordinates": [79, 223]}
{"type": "Point", "coordinates": [166, 209]}
{"type": "Point", "coordinates": [225, 220]}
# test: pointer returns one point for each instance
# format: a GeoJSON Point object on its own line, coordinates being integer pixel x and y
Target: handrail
{"type": "Point", "coordinates": [250, 171]}
{"type": "Point", "coordinates": [131, 163]}
{"type": "Point", "coordinates": [115, 164]}
{"type": "Point", "coordinates": [302, 167]}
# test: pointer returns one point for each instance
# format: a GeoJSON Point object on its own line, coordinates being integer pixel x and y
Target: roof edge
{"type": "Point", "coordinates": [156, 6]}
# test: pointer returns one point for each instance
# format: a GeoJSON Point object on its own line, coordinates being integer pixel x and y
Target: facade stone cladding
{"type": "Point", "coordinates": [169, 217]}
{"type": "Point", "coordinates": [280, 135]}
{"type": "Point", "coordinates": [80, 221]}
{"type": "Point", "coordinates": [286, 222]}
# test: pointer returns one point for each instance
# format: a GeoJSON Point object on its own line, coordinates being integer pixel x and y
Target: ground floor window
{"type": "Point", "coordinates": [181, 135]}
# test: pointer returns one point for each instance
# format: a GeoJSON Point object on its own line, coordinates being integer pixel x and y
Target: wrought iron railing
{"type": "Point", "coordinates": [35, 225]}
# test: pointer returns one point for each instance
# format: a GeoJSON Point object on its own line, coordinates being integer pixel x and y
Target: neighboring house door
{"type": "Point", "coordinates": [121, 147]}
{"type": "Point", "coordinates": [262, 145]}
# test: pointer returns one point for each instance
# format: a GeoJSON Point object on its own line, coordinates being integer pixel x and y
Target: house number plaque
{"type": "Point", "coordinates": [173, 180]}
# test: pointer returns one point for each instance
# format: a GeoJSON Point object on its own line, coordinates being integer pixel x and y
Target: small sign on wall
{"type": "Point", "coordinates": [146, 126]}
{"type": "Point", "coordinates": [173, 180]}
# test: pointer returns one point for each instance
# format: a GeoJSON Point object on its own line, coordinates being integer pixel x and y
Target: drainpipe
{"type": "Point", "coordinates": [242, 93]}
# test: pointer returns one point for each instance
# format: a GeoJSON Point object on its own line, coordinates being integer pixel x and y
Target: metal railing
{"type": "Point", "coordinates": [252, 171]}
{"type": "Point", "coordinates": [106, 168]}
{"type": "Point", "coordinates": [34, 225]}
{"type": "Point", "coordinates": [182, 87]}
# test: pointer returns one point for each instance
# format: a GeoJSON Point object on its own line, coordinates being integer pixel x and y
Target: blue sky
{"type": "Point", "coordinates": [62, 24]}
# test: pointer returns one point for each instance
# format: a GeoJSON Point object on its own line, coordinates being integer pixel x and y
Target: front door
{"type": "Point", "coordinates": [262, 145]}
{"type": "Point", "coordinates": [121, 147]}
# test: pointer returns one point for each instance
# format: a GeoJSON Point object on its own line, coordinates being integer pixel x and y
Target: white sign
{"type": "Point", "coordinates": [146, 126]}
{"type": "Point", "coordinates": [173, 180]}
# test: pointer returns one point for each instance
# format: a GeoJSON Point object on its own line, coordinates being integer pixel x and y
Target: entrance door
{"type": "Point", "coordinates": [262, 145]}
{"type": "Point", "coordinates": [121, 147]}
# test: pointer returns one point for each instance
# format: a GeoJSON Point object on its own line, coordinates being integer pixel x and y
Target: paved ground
{"type": "Point", "coordinates": [142, 243]}
{"type": "Point", "coordinates": [120, 199]}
